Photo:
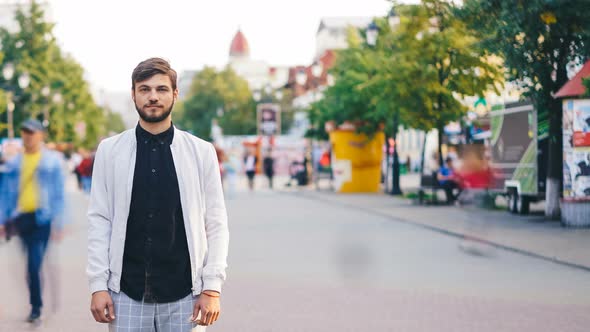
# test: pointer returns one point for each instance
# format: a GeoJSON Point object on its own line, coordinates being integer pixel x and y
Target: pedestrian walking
{"type": "Point", "coordinates": [474, 177]}
{"type": "Point", "coordinates": [231, 165]}
{"type": "Point", "coordinates": [268, 164]}
{"type": "Point", "coordinates": [158, 235]}
{"type": "Point", "coordinates": [31, 202]}
{"type": "Point", "coordinates": [85, 170]}
{"type": "Point", "coordinates": [250, 161]}
{"type": "Point", "coordinates": [75, 160]}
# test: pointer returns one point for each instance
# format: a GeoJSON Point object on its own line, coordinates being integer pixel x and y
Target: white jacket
{"type": "Point", "coordinates": [201, 198]}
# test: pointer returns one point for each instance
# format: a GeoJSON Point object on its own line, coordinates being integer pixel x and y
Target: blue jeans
{"type": "Point", "coordinates": [35, 244]}
{"type": "Point", "coordinates": [86, 182]}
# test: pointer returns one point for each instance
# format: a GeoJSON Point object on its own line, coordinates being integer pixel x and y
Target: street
{"type": "Point", "coordinates": [301, 264]}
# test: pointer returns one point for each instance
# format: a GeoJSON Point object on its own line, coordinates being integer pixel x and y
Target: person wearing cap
{"type": "Point", "coordinates": [158, 234]}
{"type": "Point", "coordinates": [32, 201]}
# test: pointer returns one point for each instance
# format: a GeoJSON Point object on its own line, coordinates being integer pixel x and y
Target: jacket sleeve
{"type": "Point", "coordinates": [216, 226]}
{"type": "Point", "coordinates": [99, 226]}
{"type": "Point", "coordinates": [4, 197]}
{"type": "Point", "coordinates": [57, 192]}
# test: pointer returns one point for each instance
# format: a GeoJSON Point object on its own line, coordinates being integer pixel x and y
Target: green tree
{"type": "Point", "coordinates": [415, 75]}
{"type": "Point", "coordinates": [33, 49]}
{"type": "Point", "coordinates": [586, 82]}
{"type": "Point", "coordinates": [221, 95]}
{"type": "Point", "coordinates": [441, 57]}
{"type": "Point", "coordinates": [537, 39]}
{"type": "Point", "coordinates": [351, 99]}
{"type": "Point", "coordinates": [114, 122]}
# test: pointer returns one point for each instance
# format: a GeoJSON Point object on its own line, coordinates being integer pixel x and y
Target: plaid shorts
{"type": "Point", "coordinates": [136, 316]}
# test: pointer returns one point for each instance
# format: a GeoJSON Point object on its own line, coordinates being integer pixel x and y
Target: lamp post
{"type": "Point", "coordinates": [256, 96]}
{"type": "Point", "coordinates": [23, 81]}
{"type": "Point", "coordinates": [372, 34]}
{"type": "Point", "coordinates": [392, 18]}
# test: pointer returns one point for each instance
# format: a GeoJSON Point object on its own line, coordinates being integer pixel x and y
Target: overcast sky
{"type": "Point", "coordinates": [110, 37]}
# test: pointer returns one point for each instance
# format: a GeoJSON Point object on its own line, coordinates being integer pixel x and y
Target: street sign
{"type": "Point", "coordinates": [268, 119]}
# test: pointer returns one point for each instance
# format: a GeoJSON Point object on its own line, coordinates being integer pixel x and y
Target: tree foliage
{"type": "Point", "coordinates": [221, 95]}
{"type": "Point", "coordinates": [537, 39]}
{"type": "Point", "coordinates": [34, 50]}
{"type": "Point", "coordinates": [418, 71]}
{"type": "Point", "coordinates": [586, 82]}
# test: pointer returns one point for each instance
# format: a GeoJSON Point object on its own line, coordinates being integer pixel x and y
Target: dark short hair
{"type": "Point", "coordinates": [449, 160]}
{"type": "Point", "coordinates": [151, 67]}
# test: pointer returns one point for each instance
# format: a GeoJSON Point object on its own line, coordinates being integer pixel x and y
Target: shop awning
{"type": "Point", "coordinates": [574, 87]}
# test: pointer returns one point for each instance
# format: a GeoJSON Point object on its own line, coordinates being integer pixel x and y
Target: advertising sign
{"type": "Point", "coordinates": [514, 148]}
{"type": "Point", "coordinates": [579, 167]}
{"type": "Point", "coordinates": [576, 148]}
{"type": "Point", "coordinates": [581, 122]}
{"type": "Point", "coordinates": [269, 119]}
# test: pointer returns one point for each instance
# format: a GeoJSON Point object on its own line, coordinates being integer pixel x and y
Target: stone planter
{"type": "Point", "coordinates": [575, 213]}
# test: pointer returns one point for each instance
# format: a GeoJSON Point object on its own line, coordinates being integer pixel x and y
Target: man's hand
{"type": "Point", "coordinates": [208, 306]}
{"type": "Point", "coordinates": [2, 231]}
{"type": "Point", "coordinates": [101, 302]}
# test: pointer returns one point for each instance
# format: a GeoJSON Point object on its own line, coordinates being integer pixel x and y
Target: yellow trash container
{"type": "Point", "coordinates": [356, 161]}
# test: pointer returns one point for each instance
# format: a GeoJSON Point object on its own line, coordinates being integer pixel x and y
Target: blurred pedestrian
{"type": "Point", "coordinates": [158, 235]}
{"type": "Point", "coordinates": [85, 170]}
{"type": "Point", "coordinates": [250, 161]}
{"type": "Point", "coordinates": [231, 165]}
{"type": "Point", "coordinates": [268, 164]}
{"type": "Point", "coordinates": [75, 160]}
{"type": "Point", "coordinates": [31, 202]}
{"type": "Point", "coordinates": [474, 177]}
{"type": "Point", "coordinates": [220, 158]}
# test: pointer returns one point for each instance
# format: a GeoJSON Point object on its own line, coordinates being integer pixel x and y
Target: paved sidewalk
{"type": "Point", "coordinates": [531, 235]}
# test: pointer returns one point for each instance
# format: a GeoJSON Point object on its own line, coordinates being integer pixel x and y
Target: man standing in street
{"type": "Point", "coordinates": [31, 200]}
{"type": "Point", "coordinates": [158, 235]}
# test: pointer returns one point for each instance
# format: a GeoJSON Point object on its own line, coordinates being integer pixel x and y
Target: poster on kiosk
{"type": "Point", "coordinates": [269, 119]}
{"type": "Point", "coordinates": [576, 148]}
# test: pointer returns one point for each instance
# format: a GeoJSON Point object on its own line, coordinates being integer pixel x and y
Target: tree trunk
{"type": "Point", "coordinates": [440, 130]}
{"type": "Point", "coordinates": [386, 179]}
{"type": "Point", "coordinates": [395, 183]}
{"type": "Point", "coordinates": [555, 158]}
{"type": "Point", "coordinates": [555, 161]}
{"type": "Point", "coordinates": [423, 153]}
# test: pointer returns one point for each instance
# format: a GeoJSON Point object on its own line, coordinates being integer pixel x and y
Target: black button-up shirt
{"type": "Point", "coordinates": [156, 261]}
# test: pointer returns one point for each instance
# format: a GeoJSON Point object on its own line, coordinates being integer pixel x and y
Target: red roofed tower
{"type": "Point", "coordinates": [239, 46]}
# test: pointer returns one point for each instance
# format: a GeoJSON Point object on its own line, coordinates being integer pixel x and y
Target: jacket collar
{"type": "Point", "coordinates": [131, 133]}
{"type": "Point", "coordinates": [143, 135]}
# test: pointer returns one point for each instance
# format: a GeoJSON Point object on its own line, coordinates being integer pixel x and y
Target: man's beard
{"type": "Point", "coordinates": [153, 119]}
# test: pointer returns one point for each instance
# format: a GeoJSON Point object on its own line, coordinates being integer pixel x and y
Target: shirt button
{"type": "Point", "coordinates": [145, 142]}
{"type": "Point", "coordinates": [153, 170]}
{"type": "Point", "coordinates": [161, 143]}
{"type": "Point", "coordinates": [151, 215]}
{"type": "Point", "coordinates": [154, 149]}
